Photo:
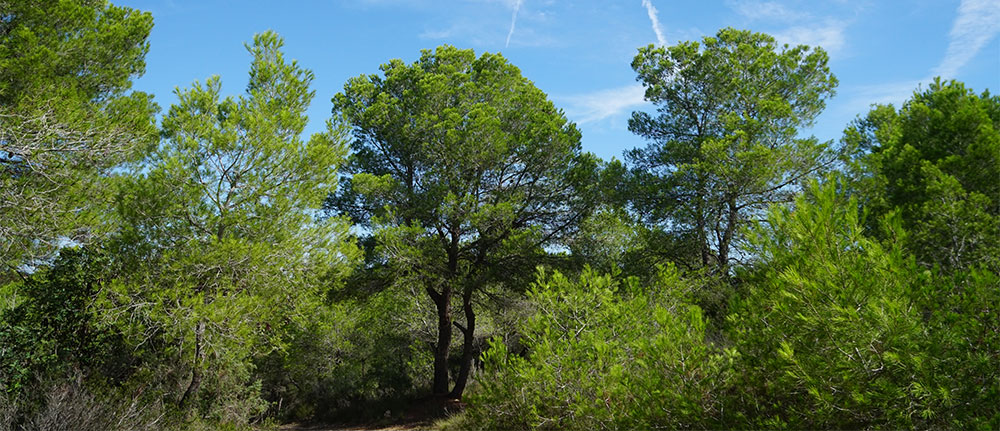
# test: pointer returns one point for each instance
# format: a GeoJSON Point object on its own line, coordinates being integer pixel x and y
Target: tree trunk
{"type": "Point", "coordinates": [443, 302]}
{"type": "Point", "coordinates": [468, 350]}
{"type": "Point", "coordinates": [700, 227]}
{"type": "Point", "coordinates": [196, 372]}
{"type": "Point", "coordinates": [727, 236]}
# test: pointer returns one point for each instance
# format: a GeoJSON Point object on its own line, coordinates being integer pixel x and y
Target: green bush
{"type": "Point", "coordinates": [63, 361]}
{"type": "Point", "coordinates": [837, 330]}
{"type": "Point", "coordinates": [961, 376]}
{"type": "Point", "coordinates": [601, 353]}
{"type": "Point", "coordinates": [353, 359]}
{"type": "Point", "coordinates": [54, 328]}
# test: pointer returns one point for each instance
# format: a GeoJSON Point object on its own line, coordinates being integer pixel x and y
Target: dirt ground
{"type": "Point", "coordinates": [421, 415]}
{"type": "Point", "coordinates": [398, 427]}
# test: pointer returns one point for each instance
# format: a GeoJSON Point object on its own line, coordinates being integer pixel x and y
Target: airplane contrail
{"type": "Point", "coordinates": [651, 11]}
{"type": "Point", "coordinates": [513, 21]}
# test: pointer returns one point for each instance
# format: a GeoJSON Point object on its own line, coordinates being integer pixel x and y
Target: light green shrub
{"type": "Point", "coordinates": [601, 353]}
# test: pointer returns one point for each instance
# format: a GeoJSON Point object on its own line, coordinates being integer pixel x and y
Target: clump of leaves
{"type": "Point", "coordinates": [603, 353]}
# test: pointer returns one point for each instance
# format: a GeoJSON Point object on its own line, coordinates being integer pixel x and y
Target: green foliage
{"type": "Point", "coordinates": [55, 328]}
{"type": "Point", "coordinates": [63, 361]}
{"type": "Point", "coordinates": [937, 161]}
{"type": "Point", "coordinates": [224, 246]}
{"type": "Point", "coordinates": [838, 330]}
{"type": "Point", "coordinates": [724, 143]}
{"type": "Point", "coordinates": [464, 171]}
{"type": "Point", "coordinates": [67, 402]}
{"type": "Point", "coordinates": [962, 378]}
{"type": "Point", "coordinates": [459, 145]}
{"type": "Point", "coordinates": [608, 240]}
{"type": "Point", "coordinates": [66, 118]}
{"type": "Point", "coordinates": [600, 353]}
{"type": "Point", "coordinates": [355, 358]}
{"type": "Point", "coordinates": [220, 292]}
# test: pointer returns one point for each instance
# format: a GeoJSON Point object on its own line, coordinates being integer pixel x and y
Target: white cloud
{"type": "Point", "coordinates": [766, 10]}
{"type": "Point", "coordinates": [977, 23]}
{"type": "Point", "coordinates": [437, 34]}
{"type": "Point", "coordinates": [655, 21]}
{"type": "Point", "coordinates": [804, 28]}
{"type": "Point", "coordinates": [829, 36]}
{"type": "Point", "coordinates": [863, 97]}
{"type": "Point", "coordinates": [478, 24]}
{"type": "Point", "coordinates": [513, 20]}
{"type": "Point", "coordinates": [596, 106]}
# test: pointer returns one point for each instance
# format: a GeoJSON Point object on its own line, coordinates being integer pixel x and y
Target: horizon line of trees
{"type": "Point", "coordinates": [445, 235]}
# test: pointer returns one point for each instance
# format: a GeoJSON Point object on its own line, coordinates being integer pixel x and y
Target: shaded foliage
{"type": "Point", "coordinates": [56, 328]}
{"type": "Point", "coordinates": [714, 281]}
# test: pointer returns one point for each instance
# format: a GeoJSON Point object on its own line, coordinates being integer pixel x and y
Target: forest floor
{"type": "Point", "coordinates": [418, 426]}
{"type": "Point", "coordinates": [418, 416]}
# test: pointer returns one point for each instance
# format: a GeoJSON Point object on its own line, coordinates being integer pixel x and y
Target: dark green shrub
{"type": "Point", "coordinates": [55, 329]}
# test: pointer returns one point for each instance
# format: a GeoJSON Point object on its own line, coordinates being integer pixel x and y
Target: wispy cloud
{"type": "Point", "coordinates": [766, 10]}
{"type": "Point", "coordinates": [895, 93]}
{"type": "Point", "coordinates": [513, 21]}
{"type": "Point", "coordinates": [977, 23]}
{"type": "Point", "coordinates": [437, 34]}
{"type": "Point", "coordinates": [485, 25]}
{"type": "Point", "coordinates": [655, 20]}
{"type": "Point", "coordinates": [829, 35]}
{"type": "Point", "coordinates": [599, 105]}
{"type": "Point", "coordinates": [802, 28]}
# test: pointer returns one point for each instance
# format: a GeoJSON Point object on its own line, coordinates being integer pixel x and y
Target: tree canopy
{"type": "Point", "coordinates": [66, 117]}
{"type": "Point", "coordinates": [443, 246]}
{"type": "Point", "coordinates": [463, 170]}
{"type": "Point", "coordinates": [225, 219]}
{"type": "Point", "coordinates": [936, 160]}
{"type": "Point", "coordinates": [724, 143]}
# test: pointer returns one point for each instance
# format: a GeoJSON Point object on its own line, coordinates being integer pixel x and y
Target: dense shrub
{"type": "Point", "coordinates": [601, 353]}
{"type": "Point", "coordinates": [837, 330]}
{"type": "Point", "coordinates": [961, 315]}
{"type": "Point", "coordinates": [353, 359]}
{"type": "Point", "coordinates": [64, 364]}
{"type": "Point", "coordinates": [66, 403]}
{"type": "Point", "coordinates": [54, 328]}
{"type": "Point", "coordinates": [831, 329]}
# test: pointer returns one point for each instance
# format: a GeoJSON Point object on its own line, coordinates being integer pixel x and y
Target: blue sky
{"type": "Point", "coordinates": [578, 52]}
